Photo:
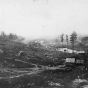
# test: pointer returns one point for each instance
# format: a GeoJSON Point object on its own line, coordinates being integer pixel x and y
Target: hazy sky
{"type": "Point", "coordinates": [43, 18]}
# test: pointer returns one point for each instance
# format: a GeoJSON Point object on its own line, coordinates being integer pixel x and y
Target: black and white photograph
{"type": "Point", "coordinates": [43, 43]}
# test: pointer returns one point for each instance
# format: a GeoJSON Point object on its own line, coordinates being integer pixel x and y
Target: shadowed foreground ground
{"type": "Point", "coordinates": [40, 78]}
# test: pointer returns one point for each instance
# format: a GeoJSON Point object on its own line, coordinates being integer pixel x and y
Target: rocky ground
{"type": "Point", "coordinates": [42, 78]}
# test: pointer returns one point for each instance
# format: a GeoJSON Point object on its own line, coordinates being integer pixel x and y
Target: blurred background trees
{"type": "Point", "coordinates": [67, 40]}
{"type": "Point", "coordinates": [73, 38]}
{"type": "Point", "coordinates": [62, 38]}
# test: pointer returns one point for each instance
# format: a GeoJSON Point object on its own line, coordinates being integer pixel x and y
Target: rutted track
{"type": "Point", "coordinates": [13, 73]}
{"type": "Point", "coordinates": [19, 72]}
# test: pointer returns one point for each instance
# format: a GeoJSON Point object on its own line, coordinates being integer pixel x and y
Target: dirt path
{"type": "Point", "coordinates": [14, 73]}
{"type": "Point", "coordinates": [28, 63]}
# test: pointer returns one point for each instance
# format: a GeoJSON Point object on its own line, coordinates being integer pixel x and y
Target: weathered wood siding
{"type": "Point", "coordinates": [70, 60]}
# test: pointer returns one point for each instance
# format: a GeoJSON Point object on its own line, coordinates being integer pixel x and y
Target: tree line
{"type": "Point", "coordinates": [72, 40]}
{"type": "Point", "coordinates": [10, 36]}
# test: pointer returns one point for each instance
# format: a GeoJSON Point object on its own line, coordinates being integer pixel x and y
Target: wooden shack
{"type": "Point", "coordinates": [77, 60]}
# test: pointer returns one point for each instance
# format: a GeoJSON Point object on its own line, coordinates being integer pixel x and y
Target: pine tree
{"type": "Point", "coordinates": [67, 40]}
{"type": "Point", "coordinates": [62, 38]}
{"type": "Point", "coordinates": [73, 38]}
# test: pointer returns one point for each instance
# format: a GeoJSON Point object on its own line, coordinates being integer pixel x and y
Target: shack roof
{"type": "Point", "coordinates": [77, 57]}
